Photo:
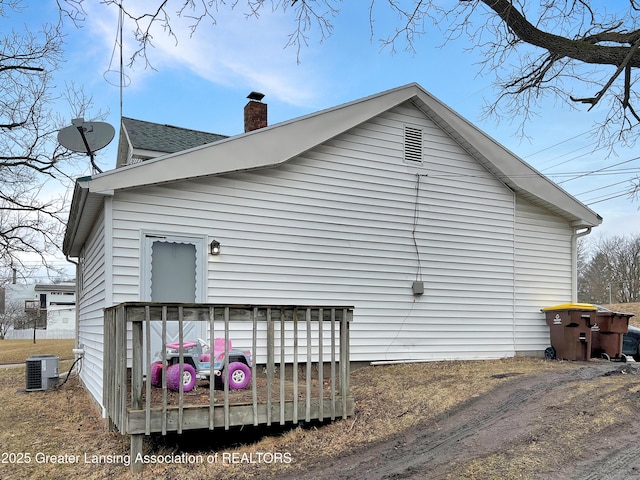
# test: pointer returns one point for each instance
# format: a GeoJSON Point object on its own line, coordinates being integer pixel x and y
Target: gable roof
{"type": "Point", "coordinates": [141, 135]}
{"type": "Point", "coordinates": [281, 142]}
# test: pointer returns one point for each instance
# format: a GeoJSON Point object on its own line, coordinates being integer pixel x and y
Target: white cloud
{"type": "Point", "coordinates": [237, 52]}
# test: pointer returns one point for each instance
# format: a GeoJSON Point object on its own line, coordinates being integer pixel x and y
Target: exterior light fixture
{"type": "Point", "coordinates": [214, 247]}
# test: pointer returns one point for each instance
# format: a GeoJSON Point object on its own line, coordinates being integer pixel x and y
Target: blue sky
{"type": "Point", "coordinates": [202, 83]}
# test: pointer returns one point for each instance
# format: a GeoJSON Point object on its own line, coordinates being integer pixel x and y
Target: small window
{"type": "Point", "coordinates": [412, 144]}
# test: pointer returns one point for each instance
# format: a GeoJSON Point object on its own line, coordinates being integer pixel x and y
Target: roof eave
{"type": "Point", "coordinates": [85, 208]}
{"type": "Point", "coordinates": [238, 153]}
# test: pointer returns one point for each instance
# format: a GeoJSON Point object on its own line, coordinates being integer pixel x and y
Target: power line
{"type": "Point", "coordinates": [567, 161]}
{"type": "Point", "coordinates": [600, 170]}
{"type": "Point", "coordinates": [603, 196]}
{"type": "Point", "coordinates": [600, 188]}
{"type": "Point", "coordinates": [576, 174]}
{"type": "Point", "coordinates": [562, 142]}
{"type": "Point", "coordinates": [609, 198]}
{"type": "Point", "coordinates": [620, 171]}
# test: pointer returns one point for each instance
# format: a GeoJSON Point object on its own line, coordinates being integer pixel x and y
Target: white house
{"type": "Point", "coordinates": [59, 302]}
{"type": "Point", "coordinates": [51, 306]}
{"type": "Point", "coordinates": [446, 243]}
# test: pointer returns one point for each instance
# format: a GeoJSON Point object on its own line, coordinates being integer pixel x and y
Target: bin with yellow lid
{"type": "Point", "coordinates": [570, 330]}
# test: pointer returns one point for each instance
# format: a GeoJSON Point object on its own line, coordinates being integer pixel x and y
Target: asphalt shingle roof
{"type": "Point", "coordinates": [165, 138]}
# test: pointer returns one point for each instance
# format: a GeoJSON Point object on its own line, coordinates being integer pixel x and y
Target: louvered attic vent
{"type": "Point", "coordinates": [412, 144]}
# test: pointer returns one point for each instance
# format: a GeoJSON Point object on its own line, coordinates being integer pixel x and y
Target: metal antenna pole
{"type": "Point", "coordinates": [89, 152]}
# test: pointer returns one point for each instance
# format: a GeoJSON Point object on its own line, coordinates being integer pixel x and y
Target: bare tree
{"type": "Point", "coordinates": [580, 51]}
{"type": "Point", "coordinates": [30, 156]}
{"type": "Point", "coordinates": [13, 315]}
{"type": "Point", "coordinates": [612, 272]}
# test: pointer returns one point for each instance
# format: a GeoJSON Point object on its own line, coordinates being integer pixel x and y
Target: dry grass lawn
{"type": "Point", "coordinates": [17, 351]}
{"type": "Point", "coordinates": [43, 429]}
{"type": "Point", "coordinates": [63, 424]}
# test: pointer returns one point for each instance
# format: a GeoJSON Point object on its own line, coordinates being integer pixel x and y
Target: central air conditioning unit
{"type": "Point", "coordinates": [42, 372]}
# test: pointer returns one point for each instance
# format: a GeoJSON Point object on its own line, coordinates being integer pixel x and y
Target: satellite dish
{"type": "Point", "coordinates": [87, 137]}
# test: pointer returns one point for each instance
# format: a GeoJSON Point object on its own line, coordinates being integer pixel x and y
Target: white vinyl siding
{"type": "Point", "coordinates": [334, 226]}
{"type": "Point", "coordinates": [91, 305]}
{"type": "Point", "coordinates": [543, 272]}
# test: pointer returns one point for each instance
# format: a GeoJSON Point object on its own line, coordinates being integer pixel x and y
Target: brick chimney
{"type": "Point", "coordinates": [255, 112]}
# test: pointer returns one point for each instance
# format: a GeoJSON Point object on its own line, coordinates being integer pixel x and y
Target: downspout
{"type": "Point", "coordinates": [574, 261]}
{"type": "Point", "coordinates": [78, 351]}
{"type": "Point", "coordinates": [514, 270]}
{"type": "Point", "coordinates": [77, 296]}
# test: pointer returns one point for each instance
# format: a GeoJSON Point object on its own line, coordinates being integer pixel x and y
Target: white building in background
{"type": "Point", "coordinates": [59, 302]}
{"type": "Point", "coordinates": [51, 306]}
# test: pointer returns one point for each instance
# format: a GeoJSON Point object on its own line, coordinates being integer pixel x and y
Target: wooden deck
{"type": "Point", "coordinates": [300, 368]}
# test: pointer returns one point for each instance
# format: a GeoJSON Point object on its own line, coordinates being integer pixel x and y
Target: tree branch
{"type": "Point", "coordinates": [584, 51]}
{"type": "Point", "coordinates": [624, 65]}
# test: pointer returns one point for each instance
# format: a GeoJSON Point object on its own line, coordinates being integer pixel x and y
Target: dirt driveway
{"type": "Point", "coordinates": [573, 424]}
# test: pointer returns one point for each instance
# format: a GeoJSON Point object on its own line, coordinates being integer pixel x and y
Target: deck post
{"type": "Point", "coordinates": [137, 440]}
{"type": "Point", "coordinates": [180, 368]}
{"type": "Point", "coordinates": [333, 364]}
{"type": "Point", "coordinates": [120, 368]}
{"type": "Point", "coordinates": [164, 370]}
{"type": "Point", "coordinates": [212, 380]}
{"type": "Point", "coordinates": [307, 417]}
{"type": "Point", "coordinates": [147, 385]}
{"type": "Point", "coordinates": [108, 391]}
{"type": "Point", "coordinates": [295, 365]}
{"type": "Point", "coordinates": [254, 355]}
{"type": "Point", "coordinates": [320, 362]}
{"type": "Point", "coordinates": [227, 419]}
{"type": "Point", "coordinates": [271, 363]}
{"type": "Point", "coordinates": [283, 365]}
{"type": "Point", "coordinates": [344, 361]}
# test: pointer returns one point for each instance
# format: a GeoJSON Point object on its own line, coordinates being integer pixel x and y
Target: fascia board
{"type": "Point", "coordinates": [267, 147]}
{"type": "Point", "coordinates": [78, 202]}
{"type": "Point", "coordinates": [85, 208]}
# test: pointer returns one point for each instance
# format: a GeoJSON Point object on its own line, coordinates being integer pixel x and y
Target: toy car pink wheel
{"type": "Point", "coordinates": [188, 377]}
{"type": "Point", "coordinates": [156, 374]}
{"type": "Point", "coordinates": [239, 376]}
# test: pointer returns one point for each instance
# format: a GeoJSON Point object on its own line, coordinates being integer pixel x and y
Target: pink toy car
{"type": "Point", "coordinates": [197, 364]}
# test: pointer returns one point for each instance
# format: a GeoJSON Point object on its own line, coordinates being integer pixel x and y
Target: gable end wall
{"type": "Point", "coordinates": [339, 225]}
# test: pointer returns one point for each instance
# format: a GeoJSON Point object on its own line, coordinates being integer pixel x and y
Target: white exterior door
{"type": "Point", "coordinates": [172, 270]}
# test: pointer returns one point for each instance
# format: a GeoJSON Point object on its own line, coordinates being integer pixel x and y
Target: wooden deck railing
{"type": "Point", "coordinates": [300, 367]}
